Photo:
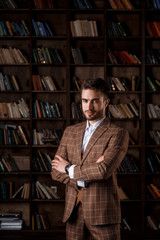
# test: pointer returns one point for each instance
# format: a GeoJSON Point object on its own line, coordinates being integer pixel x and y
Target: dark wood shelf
{"type": "Point", "coordinates": [96, 64]}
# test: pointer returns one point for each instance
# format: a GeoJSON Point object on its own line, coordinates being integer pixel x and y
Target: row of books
{"type": "Point", "coordinates": [13, 28]}
{"type": "Point", "coordinates": [122, 57]}
{"type": "Point", "coordinates": [153, 4]}
{"type": "Point", "coordinates": [76, 110]}
{"type": "Point", "coordinates": [47, 55]}
{"type": "Point", "coordinates": [14, 109]}
{"type": "Point", "coordinates": [123, 83]}
{"type": "Point", "coordinates": [46, 136]}
{"type": "Point", "coordinates": [42, 28]}
{"type": "Point", "coordinates": [43, 4]}
{"type": "Point", "coordinates": [42, 162]}
{"type": "Point", "coordinates": [13, 135]}
{"type": "Point", "coordinates": [121, 4]}
{"type": "Point", "coordinates": [11, 221]}
{"type": "Point", "coordinates": [153, 162]}
{"type": "Point", "coordinates": [153, 84]}
{"type": "Point", "coordinates": [153, 29]}
{"type": "Point", "coordinates": [42, 191]}
{"type": "Point", "coordinates": [129, 164]}
{"type": "Point", "coordinates": [153, 56]}
{"type": "Point", "coordinates": [123, 110]}
{"type": "Point", "coordinates": [155, 136]}
{"type": "Point", "coordinates": [40, 221]}
{"type": "Point", "coordinates": [154, 190]}
{"type": "Point", "coordinates": [125, 225]}
{"type": "Point", "coordinates": [84, 28]}
{"type": "Point", "coordinates": [153, 110]}
{"type": "Point", "coordinates": [46, 110]}
{"type": "Point", "coordinates": [76, 83]}
{"type": "Point", "coordinates": [153, 223]}
{"type": "Point", "coordinates": [45, 83]}
{"type": "Point", "coordinates": [12, 56]}
{"type": "Point", "coordinates": [8, 190]}
{"type": "Point", "coordinates": [8, 82]}
{"type": "Point", "coordinates": [116, 28]}
{"type": "Point", "coordinates": [77, 55]}
{"type": "Point", "coordinates": [83, 4]}
{"type": "Point", "coordinates": [8, 164]}
{"type": "Point", "coordinates": [8, 4]}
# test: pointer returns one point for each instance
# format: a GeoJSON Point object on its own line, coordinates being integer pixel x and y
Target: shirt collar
{"type": "Point", "coordinates": [95, 125]}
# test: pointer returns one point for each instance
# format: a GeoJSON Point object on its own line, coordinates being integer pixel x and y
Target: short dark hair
{"type": "Point", "coordinates": [97, 84]}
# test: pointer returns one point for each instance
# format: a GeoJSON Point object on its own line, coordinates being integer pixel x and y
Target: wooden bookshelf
{"type": "Point", "coordinates": [96, 63]}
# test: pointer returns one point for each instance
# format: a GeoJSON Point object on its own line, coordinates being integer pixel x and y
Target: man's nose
{"type": "Point", "coordinates": [90, 105]}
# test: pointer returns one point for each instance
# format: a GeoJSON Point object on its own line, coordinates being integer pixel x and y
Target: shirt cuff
{"type": "Point", "coordinates": [71, 171]}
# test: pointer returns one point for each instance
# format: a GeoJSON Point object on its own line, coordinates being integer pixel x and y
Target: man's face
{"type": "Point", "coordinates": [93, 105]}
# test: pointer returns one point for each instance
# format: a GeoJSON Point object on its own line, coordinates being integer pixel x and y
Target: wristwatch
{"type": "Point", "coordinates": [67, 167]}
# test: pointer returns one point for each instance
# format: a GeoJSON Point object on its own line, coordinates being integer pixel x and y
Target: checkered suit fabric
{"type": "Point", "coordinates": [100, 200]}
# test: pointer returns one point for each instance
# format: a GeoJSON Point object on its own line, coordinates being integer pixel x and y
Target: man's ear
{"type": "Point", "coordinates": [107, 101]}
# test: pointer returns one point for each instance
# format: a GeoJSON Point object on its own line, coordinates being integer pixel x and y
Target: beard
{"type": "Point", "coordinates": [93, 115]}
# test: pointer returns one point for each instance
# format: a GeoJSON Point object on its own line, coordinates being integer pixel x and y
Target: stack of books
{"type": "Point", "coordinates": [153, 85]}
{"type": "Point", "coordinates": [76, 110]}
{"type": "Point", "coordinates": [153, 56]}
{"type": "Point", "coordinates": [116, 28]}
{"type": "Point", "coordinates": [46, 110]}
{"type": "Point", "coordinates": [121, 4]}
{"type": "Point", "coordinates": [47, 55]}
{"type": "Point", "coordinates": [154, 190]}
{"type": "Point", "coordinates": [14, 110]}
{"type": "Point", "coordinates": [84, 28]}
{"type": "Point", "coordinates": [40, 221]}
{"type": "Point", "coordinates": [42, 28]}
{"type": "Point", "coordinates": [77, 55]}
{"type": "Point", "coordinates": [155, 136]}
{"type": "Point", "coordinates": [46, 136]}
{"type": "Point", "coordinates": [42, 162]}
{"type": "Point", "coordinates": [8, 164]}
{"type": "Point", "coordinates": [13, 28]}
{"type": "Point", "coordinates": [153, 110]}
{"type": "Point", "coordinates": [42, 191]}
{"type": "Point", "coordinates": [122, 57]}
{"type": "Point", "coordinates": [8, 4]}
{"type": "Point", "coordinates": [12, 135]}
{"type": "Point", "coordinates": [43, 4]}
{"type": "Point", "coordinates": [11, 221]}
{"type": "Point", "coordinates": [129, 164]}
{"type": "Point", "coordinates": [152, 223]}
{"type": "Point", "coordinates": [153, 4]}
{"type": "Point", "coordinates": [123, 110]}
{"type": "Point", "coordinates": [8, 82]}
{"type": "Point", "coordinates": [82, 4]}
{"type": "Point", "coordinates": [12, 56]}
{"type": "Point", "coordinates": [43, 83]}
{"type": "Point", "coordinates": [153, 162]}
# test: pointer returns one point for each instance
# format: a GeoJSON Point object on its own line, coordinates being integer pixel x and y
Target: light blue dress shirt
{"type": "Point", "coordinates": [88, 132]}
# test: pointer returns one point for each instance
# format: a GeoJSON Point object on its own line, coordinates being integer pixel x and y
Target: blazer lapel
{"type": "Point", "coordinates": [96, 135]}
{"type": "Point", "coordinates": [78, 141]}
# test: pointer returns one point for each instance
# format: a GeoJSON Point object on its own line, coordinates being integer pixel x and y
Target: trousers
{"type": "Point", "coordinates": [78, 229]}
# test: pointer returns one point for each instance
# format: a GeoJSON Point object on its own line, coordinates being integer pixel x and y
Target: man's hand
{"type": "Point", "coordinates": [59, 164]}
{"type": "Point", "coordinates": [100, 159]}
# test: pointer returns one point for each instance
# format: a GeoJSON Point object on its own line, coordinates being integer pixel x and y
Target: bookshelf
{"type": "Point", "coordinates": [96, 63]}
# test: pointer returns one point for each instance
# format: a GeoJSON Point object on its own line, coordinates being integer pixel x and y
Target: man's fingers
{"type": "Point", "coordinates": [100, 159]}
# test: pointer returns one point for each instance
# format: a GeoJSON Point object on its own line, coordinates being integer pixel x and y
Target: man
{"type": "Point", "coordinates": [86, 161]}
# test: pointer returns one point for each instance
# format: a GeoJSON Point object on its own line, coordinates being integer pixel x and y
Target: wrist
{"type": "Point", "coordinates": [67, 168]}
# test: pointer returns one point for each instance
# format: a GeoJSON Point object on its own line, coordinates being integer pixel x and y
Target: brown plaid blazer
{"type": "Point", "coordinates": [100, 200]}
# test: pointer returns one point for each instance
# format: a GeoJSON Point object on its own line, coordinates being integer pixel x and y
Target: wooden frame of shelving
{"type": "Point", "coordinates": [96, 64]}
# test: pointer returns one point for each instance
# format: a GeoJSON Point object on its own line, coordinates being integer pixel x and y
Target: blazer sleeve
{"type": "Point", "coordinates": [113, 155]}
{"type": "Point", "coordinates": [62, 151]}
